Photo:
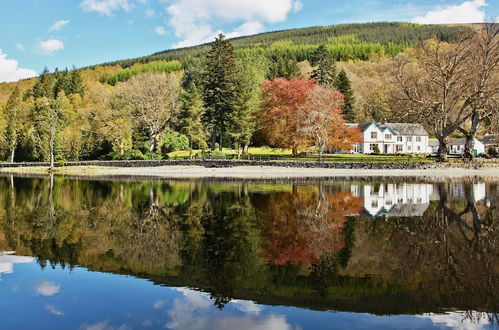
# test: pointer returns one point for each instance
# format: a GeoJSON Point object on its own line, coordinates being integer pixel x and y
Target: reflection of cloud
{"type": "Point", "coordinates": [104, 325]}
{"type": "Point", "coordinates": [158, 304]}
{"type": "Point", "coordinates": [54, 310]}
{"type": "Point", "coordinates": [247, 307]}
{"type": "Point", "coordinates": [46, 288]}
{"type": "Point", "coordinates": [7, 261]}
{"type": "Point", "coordinates": [196, 311]}
{"type": "Point", "coordinates": [456, 320]}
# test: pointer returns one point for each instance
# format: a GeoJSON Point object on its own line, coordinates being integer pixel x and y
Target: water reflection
{"type": "Point", "coordinates": [366, 247]}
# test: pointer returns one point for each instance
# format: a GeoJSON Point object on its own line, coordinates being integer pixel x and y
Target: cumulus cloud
{"type": "Point", "coordinates": [160, 30]}
{"type": "Point", "coordinates": [50, 46]}
{"type": "Point", "coordinates": [58, 25]}
{"type": "Point", "coordinates": [196, 21]}
{"type": "Point", "coordinates": [9, 71]}
{"type": "Point", "coordinates": [467, 12]}
{"type": "Point", "coordinates": [47, 288]}
{"type": "Point", "coordinates": [106, 7]}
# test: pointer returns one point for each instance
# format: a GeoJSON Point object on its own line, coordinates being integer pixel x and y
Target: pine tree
{"type": "Point", "coordinates": [75, 83]}
{"type": "Point", "coordinates": [220, 85]}
{"type": "Point", "coordinates": [190, 118]}
{"type": "Point", "coordinates": [44, 86]}
{"type": "Point", "coordinates": [283, 67]}
{"type": "Point", "coordinates": [343, 85]}
{"type": "Point", "coordinates": [325, 73]}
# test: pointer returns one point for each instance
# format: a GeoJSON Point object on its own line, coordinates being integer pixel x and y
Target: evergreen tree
{"type": "Point", "coordinates": [343, 85]}
{"type": "Point", "coordinates": [190, 118]}
{"type": "Point", "coordinates": [61, 82]}
{"type": "Point", "coordinates": [283, 67]}
{"type": "Point", "coordinates": [75, 83]}
{"type": "Point", "coordinates": [325, 73]}
{"type": "Point", "coordinates": [44, 86]}
{"type": "Point", "coordinates": [220, 85]}
{"type": "Point", "coordinates": [14, 122]}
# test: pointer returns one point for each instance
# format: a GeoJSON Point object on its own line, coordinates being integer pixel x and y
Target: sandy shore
{"type": "Point", "coordinates": [249, 172]}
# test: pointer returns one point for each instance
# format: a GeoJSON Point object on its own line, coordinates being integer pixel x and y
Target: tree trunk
{"type": "Point", "coordinates": [321, 151]}
{"type": "Point", "coordinates": [239, 151]}
{"type": "Point", "coordinates": [470, 136]}
{"type": "Point", "coordinates": [52, 153]}
{"type": "Point", "coordinates": [12, 154]}
{"type": "Point", "coordinates": [246, 149]}
{"type": "Point", "coordinates": [443, 150]}
{"type": "Point", "coordinates": [213, 141]}
{"type": "Point", "coordinates": [220, 147]}
{"type": "Point", "coordinates": [152, 147]}
{"type": "Point", "coordinates": [121, 148]}
{"type": "Point", "coordinates": [294, 151]}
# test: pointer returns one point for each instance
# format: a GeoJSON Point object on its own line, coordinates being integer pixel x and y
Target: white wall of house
{"type": "Point", "coordinates": [390, 143]}
{"type": "Point", "coordinates": [459, 149]}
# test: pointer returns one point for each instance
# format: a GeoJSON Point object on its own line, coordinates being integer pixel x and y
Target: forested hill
{"type": "Point", "coordinates": [348, 41]}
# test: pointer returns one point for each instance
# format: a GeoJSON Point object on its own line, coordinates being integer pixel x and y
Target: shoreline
{"type": "Point", "coordinates": [247, 172]}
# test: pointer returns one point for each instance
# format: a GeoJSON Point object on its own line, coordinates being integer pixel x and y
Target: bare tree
{"type": "Point", "coordinates": [484, 62]}
{"type": "Point", "coordinates": [154, 98]}
{"type": "Point", "coordinates": [435, 85]}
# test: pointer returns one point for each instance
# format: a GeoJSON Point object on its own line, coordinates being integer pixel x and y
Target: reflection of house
{"type": "Point", "coordinates": [394, 200]}
{"type": "Point", "coordinates": [457, 192]}
{"type": "Point", "coordinates": [456, 147]}
{"type": "Point", "coordinates": [391, 138]}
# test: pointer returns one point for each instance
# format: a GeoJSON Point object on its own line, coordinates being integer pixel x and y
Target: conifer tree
{"type": "Point", "coordinates": [343, 85]}
{"type": "Point", "coordinates": [325, 73]}
{"type": "Point", "coordinates": [283, 67]}
{"type": "Point", "coordinates": [190, 118]}
{"type": "Point", "coordinates": [220, 86]}
{"type": "Point", "coordinates": [44, 86]}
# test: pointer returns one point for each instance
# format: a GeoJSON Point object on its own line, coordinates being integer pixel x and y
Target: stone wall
{"type": "Point", "coordinates": [232, 163]}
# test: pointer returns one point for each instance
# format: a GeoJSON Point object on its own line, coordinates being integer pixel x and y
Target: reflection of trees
{"type": "Point", "coordinates": [306, 224]}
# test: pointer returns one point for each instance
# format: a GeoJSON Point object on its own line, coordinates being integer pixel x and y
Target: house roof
{"type": "Point", "coordinates": [395, 128]}
{"type": "Point", "coordinates": [491, 139]}
{"type": "Point", "coordinates": [408, 128]}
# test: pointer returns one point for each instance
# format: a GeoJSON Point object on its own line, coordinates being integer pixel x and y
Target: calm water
{"type": "Point", "coordinates": [392, 254]}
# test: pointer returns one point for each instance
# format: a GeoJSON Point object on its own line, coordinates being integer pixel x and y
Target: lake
{"type": "Point", "coordinates": [391, 253]}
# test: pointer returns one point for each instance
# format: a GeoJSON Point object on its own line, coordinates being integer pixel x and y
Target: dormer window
{"type": "Point", "coordinates": [388, 136]}
{"type": "Point", "coordinates": [374, 135]}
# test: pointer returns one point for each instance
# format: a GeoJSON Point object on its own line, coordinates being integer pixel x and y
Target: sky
{"type": "Point", "coordinates": [79, 33]}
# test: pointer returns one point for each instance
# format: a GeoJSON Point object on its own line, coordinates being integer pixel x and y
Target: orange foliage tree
{"type": "Point", "coordinates": [299, 113]}
{"type": "Point", "coordinates": [282, 100]}
{"type": "Point", "coordinates": [322, 123]}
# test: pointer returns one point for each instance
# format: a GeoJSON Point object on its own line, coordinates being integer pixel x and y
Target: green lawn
{"type": "Point", "coordinates": [265, 153]}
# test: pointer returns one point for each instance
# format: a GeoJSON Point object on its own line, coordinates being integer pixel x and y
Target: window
{"type": "Point", "coordinates": [374, 204]}
{"type": "Point", "coordinates": [419, 148]}
{"type": "Point", "coordinates": [409, 139]}
{"type": "Point", "coordinates": [409, 148]}
{"type": "Point", "coordinates": [399, 138]}
{"type": "Point", "coordinates": [374, 135]}
{"type": "Point", "coordinates": [388, 136]}
{"type": "Point", "coordinates": [373, 147]}
{"type": "Point", "coordinates": [418, 138]}
{"type": "Point", "coordinates": [399, 148]}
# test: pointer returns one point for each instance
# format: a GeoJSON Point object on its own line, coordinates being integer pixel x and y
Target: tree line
{"type": "Point", "coordinates": [222, 100]}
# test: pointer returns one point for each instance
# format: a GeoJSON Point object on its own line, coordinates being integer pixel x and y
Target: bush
{"type": "Point", "coordinates": [492, 152]}
{"type": "Point", "coordinates": [216, 154]}
{"type": "Point", "coordinates": [174, 142]}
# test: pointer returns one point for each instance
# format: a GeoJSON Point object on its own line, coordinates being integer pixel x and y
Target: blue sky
{"type": "Point", "coordinates": [55, 33]}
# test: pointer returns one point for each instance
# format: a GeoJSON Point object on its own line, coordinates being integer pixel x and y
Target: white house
{"type": "Point", "coordinates": [456, 147]}
{"type": "Point", "coordinates": [394, 200]}
{"type": "Point", "coordinates": [391, 138]}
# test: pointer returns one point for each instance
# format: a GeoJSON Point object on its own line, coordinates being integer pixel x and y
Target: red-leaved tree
{"type": "Point", "coordinates": [282, 101]}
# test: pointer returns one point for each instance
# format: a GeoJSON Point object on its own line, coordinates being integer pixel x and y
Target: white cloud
{"type": "Point", "coordinates": [54, 310]}
{"type": "Point", "coordinates": [149, 12]}
{"type": "Point", "coordinates": [196, 21]}
{"type": "Point", "coordinates": [248, 28]}
{"type": "Point", "coordinates": [20, 46]}
{"type": "Point", "coordinates": [58, 25]}
{"type": "Point", "coordinates": [50, 46]}
{"type": "Point", "coordinates": [247, 307]}
{"type": "Point", "coordinates": [158, 304]}
{"type": "Point", "coordinates": [9, 71]}
{"type": "Point", "coordinates": [106, 7]}
{"type": "Point", "coordinates": [467, 12]}
{"type": "Point", "coordinates": [47, 288]}
{"type": "Point", "coordinates": [160, 30]}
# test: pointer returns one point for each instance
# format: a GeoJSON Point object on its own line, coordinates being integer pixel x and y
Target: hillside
{"type": "Point", "coordinates": [348, 41]}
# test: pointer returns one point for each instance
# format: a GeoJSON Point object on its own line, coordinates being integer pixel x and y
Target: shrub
{"type": "Point", "coordinates": [492, 152]}
{"type": "Point", "coordinates": [216, 154]}
{"type": "Point", "coordinates": [174, 142]}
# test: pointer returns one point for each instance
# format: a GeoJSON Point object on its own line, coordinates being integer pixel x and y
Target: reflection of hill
{"type": "Point", "coordinates": [297, 245]}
